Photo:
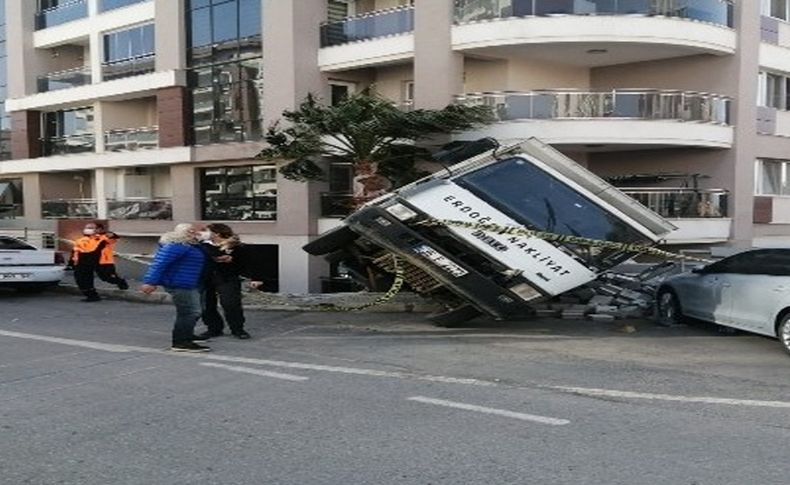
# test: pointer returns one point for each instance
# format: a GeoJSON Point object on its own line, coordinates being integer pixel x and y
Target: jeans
{"type": "Point", "coordinates": [187, 302]}
{"type": "Point", "coordinates": [228, 292]}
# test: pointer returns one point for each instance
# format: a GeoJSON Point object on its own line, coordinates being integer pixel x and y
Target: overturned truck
{"type": "Point", "coordinates": [470, 270]}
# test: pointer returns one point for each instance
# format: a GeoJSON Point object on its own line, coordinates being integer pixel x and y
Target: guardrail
{"type": "Point", "coordinates": [131, 139]}
{"type": "Point", "coordinates": [134, 66]}
{"type": "Point", "coordinates": [682, 203]}
{"type": "Point", "coordinates": [69, 209]}
{"type": "Point", "coordinates": [65, 12]}
{"type": "Point", "coordinates": [650, 104]}
{"type": "Point", "coordinates": [70, 78]}
{"type": "Point", "coordinates": [146, 209]}
{"type": "Point", "coordinates": [379, 23]}
{"type": "Point", "coordinates": [717, 12]}
{"type": "Point", "coordinates": [67, 145]}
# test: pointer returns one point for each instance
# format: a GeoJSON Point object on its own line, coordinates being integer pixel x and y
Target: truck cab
{"type": "Point", "coordinates": [470, 270]}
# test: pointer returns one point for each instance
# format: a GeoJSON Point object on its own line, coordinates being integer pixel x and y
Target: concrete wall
{"type": "Point", "coordinates": [171, 42]}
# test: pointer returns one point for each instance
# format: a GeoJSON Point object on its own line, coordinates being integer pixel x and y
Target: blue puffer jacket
{"type": "Point", "coordinates": [176, 265]}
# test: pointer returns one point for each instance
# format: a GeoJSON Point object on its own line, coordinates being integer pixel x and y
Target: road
{"type": "Point", "coordinates": [90, 395]}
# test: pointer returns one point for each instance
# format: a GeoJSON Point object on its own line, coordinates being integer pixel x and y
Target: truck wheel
{"type": "Point", "coordinates": [454, 317]}
{"type": "Point", "coordinates": [331, 241]}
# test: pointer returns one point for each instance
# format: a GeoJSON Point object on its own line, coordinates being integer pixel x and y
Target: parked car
{"type": "Point", "coordinates": [748, 291]}
{"type": "Point", "coordinates": [472, 272]}
{"type": "Point", "coordinates": [27, 268]}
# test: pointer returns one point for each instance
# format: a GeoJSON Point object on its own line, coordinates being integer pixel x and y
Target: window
{"type": "Point", "coordinates": [407, 93]}
{"type": "Point", "coordinates": [772, 262]}
{"type": "Point", "coordinates": [11, 198]}
{"type": "Point", "coordinates": [9, 243]}
{"type": "Point", "coordinates": [771, 177]}
{"type": "Point", "coordinates": [779, 9]}
{"type": "Point", "coordinates": [68, 131]}
{"type": "Point", "coordinates": [130, 43]}
{"type": "Point", "coordinates": [240, 193]}
{"type": "Point", "coordinates": [341, 90]}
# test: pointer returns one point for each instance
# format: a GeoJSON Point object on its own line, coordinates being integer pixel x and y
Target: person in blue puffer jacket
{"type": "Point", "coordinates": [178, 266]}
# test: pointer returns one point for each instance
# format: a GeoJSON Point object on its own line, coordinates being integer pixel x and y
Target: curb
{"type": "Point", "coordinates": [401, 303]}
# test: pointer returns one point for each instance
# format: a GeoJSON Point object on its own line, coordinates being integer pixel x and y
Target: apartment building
{"type": "Point", "coordinates": [147, 112]}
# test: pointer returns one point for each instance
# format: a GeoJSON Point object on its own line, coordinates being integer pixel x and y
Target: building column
{"type": "Point", "coordinates": [173, 117]}
{"type": "Point", "coordinates": [93, 8]}
{"type": "Point", "coordinates": [438, 70]}
{"type": "Point", "coordinates": [23, 60]}
{"type": "Point", "coordinates": [96, 53]}
{"type": "Point", "coordinates": [290, 49]}
{"type": "Point", "coordinates": [31, 196]}
{"type": "Point", "coordinates": [186, 196]}
{"type": "Point", "coordinates": [100, 177]}
{"type": "Point", "coordinates": [26, 134]}
{"type": "Point", "coordinates": [171, 37]}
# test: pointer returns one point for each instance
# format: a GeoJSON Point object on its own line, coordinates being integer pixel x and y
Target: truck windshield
{"type": "Point", "coordinates": [540, 201]}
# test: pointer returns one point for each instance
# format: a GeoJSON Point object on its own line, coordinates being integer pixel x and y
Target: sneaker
{"type": "Point", "coordinates": [207, 335]}
{"type": "Point", "coordinates": [189, 347]}
{"type": "Point", "coordinates": [123, 285]}
{"type": "Point", "coordinates": [242, 335]}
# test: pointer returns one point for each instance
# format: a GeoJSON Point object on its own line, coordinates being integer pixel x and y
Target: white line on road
{"type": "Point", "coordinates": [496, 412]}
{"type": "Point", "coordinates": [668, 397]}
{"type": "Point", "coordinates": [257, 372]}
{"type": "Point", "coordinates": [73, 343]}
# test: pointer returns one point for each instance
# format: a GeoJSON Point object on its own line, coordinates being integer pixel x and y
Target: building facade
{"type": "Point", "coordinates": [150, 112]}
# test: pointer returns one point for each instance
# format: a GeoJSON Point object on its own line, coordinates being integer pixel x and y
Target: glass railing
{"type": "Point", "coordinates": [334, 204]}
{"type": "Point", "coordinates": [69, 209]}
{"type": "Point", "coordinates": [228, 131]}
{"type": "Point", "coordinates": [131, 139]}
{"type": "Point", "coordinates": [718, 12]}
{"type": "Point", "coordinates": [65, 12]}
{"type": "Point", "coordinates": [368, 26]}
{"type": "Point", "coordinates": [134, 66]}
{"type": "Point", "coordinates": [616, 104]}
{"type": "Point", "coordinates": [682, 203]}
{"type": "Point", "coordinates": [147, 209]}
{"type": "Point", "coordinates": [113, 4]}
{"type": "Point", "coordinates": [79, 76]}
{"type": "Point", "coordinates": [66, 145]}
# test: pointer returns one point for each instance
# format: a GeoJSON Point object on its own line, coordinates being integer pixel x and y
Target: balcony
{"type": "Point", "coordinates": [134, 66]}
{"type": "Point", "coordinates": [615, 117]}
{"type": "Point", "coordinates": [140, 209]}
{"type": "Point", "coordinates": [384, 35]}
{"type": "Point", "coordinates": [71, 78]}
{"type": "Point", "coordinates": [682, 203]}
{"type": "Point", "coordinates": [335, 204]}
{"type": "Point", "coordinates": [113, 4]}
{"type": "Point", "coordinates": [131, 139]}
{"type": "Point", "coordinates": [69, 209]}
{"type": "Point", "coordinates": [61, 14]}
{"type": "Point", "coordinates": [69, 145]}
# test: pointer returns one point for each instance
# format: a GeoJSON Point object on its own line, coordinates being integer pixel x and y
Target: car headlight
{"type": "Point", "coordinates": [525, 292]}
{"type": "Point", "coordinates": [401, 212]}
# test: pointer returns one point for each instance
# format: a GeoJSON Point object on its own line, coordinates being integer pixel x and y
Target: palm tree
{"type": "Point", "coordinates": [379, 139]}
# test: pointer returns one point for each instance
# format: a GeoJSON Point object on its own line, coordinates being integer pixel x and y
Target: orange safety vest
{"type": "Point", "coordinates": [85, 244]}
{"type": "Point", "coordinates": [108, 253]}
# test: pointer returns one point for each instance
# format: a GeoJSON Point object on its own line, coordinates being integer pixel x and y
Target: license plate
{"type": "Point", "coordinates": [439, 260]}
{"type": "Point", "coordinates": [14, 276]}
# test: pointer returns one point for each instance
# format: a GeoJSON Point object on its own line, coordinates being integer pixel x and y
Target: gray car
{"type": "Point", "coordinates": [749, 291]}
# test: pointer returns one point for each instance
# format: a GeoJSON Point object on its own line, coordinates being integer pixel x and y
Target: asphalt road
{"type": "Point", "coordinates": [89, 395]}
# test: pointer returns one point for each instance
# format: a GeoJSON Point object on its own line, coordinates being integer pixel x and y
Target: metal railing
{"type": "Point", "coordinates": [131, 139]}
{"type": "Point", "coordinates": [69, 209]}
{"type": "Point", "coordinates": [67, 145]}
{"type": "Point", "coordinates": [113, 4]}
{"type": "Point", "coordinates": [640, 104]}
{"type": "Point", "coordinates": [65, 12]}
{"type": "Point", "coordinates": [370, 25]}
{"type": "Point", "coordinates": [717, 12]}
{"type": "Point", "coordinates": [334, 204]}
{"type": "Point", "coordinates": [11, 211]}
{"type": "Point", "coordinates": [70, 78]}
{"type": "Point", "coordinates": [682, 203]}
{"type": "Point", "coordinates": [146, 209]}
{"type": "Point", "coordinates": [134, 66]}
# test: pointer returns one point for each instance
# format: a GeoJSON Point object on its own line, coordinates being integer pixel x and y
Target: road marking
{"type": "Point", "coordinates": [257, 372]}
{"type": "Point", "coordinates": [668, 397]}
{"type": "Point", "coordinates": [496, 412]}
{"type": "Point", "coordinates": [73, 343]}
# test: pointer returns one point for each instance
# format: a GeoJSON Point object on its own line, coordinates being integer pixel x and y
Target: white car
{"type": "Point", "coordinates": [749, 291]}
{"type": "Point", "coordinates": [27, 268]}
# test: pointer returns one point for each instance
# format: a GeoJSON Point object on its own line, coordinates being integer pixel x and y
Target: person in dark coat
{"type": "Point", "coordinates": [223, 282]}
{"type": "Point", "coordinates": [178, 266]}
{"type": "Point", "coordinates": [106, 270]}
{"type": "Point", "coordinates": [85, 258]}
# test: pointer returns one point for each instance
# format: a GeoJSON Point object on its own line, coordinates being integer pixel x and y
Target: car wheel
{"type": "Point", "coordinates": [668, 308]}
{"type": "Point", "coordinates": [454, 317]}
{"type": "Point", "coordinates": [783, 332]}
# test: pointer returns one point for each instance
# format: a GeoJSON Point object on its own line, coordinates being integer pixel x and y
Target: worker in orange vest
{"type": "Point", "coordinates": [106, 269]}
{"type": "Point", "coordinates": [85, 258]}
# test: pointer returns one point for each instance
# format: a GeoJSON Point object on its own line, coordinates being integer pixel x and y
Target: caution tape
{"type": "Point", "coordinates": [502, 229]}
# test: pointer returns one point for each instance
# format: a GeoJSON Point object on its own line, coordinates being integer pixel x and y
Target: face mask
{"type": "Point", "coordinates": [89, 232]}
{"type": "Point", "coordinates": [203, 235]}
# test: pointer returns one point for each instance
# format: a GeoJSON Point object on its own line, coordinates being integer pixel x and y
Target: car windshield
{"type": "Point", "coordinates": [10, 243]}
{"type": "Point", "coordinates": [540, 201]}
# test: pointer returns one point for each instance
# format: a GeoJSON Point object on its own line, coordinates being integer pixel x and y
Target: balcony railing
{"type": "Point", "coordinates": [66, 145]}
{"type": "Point", "coordinates": [131, 139]}
{"type": "Point", "coordinates": [133, 66]}
{"type": "Point", "coordinates": [368, 26]}
{"type": "Point", "coordinates": [69, 209]}
{"type": "Point", "coordinates": [113, 4]}
{"type": "Point", "coordinates": [615, 104]}
{"type": "Point", "coordinates": [682, 203]}
{"type": "Point", "coordinates": [71, 78]}
{"type": "Point", "coordinates": [65, 12]}
{"type": "Point", "coordinates": [717, 12]}
{"type": "Point", "coordinates": [335, 204]}
{"type": "Point", "coordinates": [11, 211]}
{"type": "Point", "coordinates": [146, 209]}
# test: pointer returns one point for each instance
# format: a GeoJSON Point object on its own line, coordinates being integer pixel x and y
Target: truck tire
{"type": "Point", "coordinates": [331, 241]}
{"type": "Point", "coordinates": [454, 317]}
